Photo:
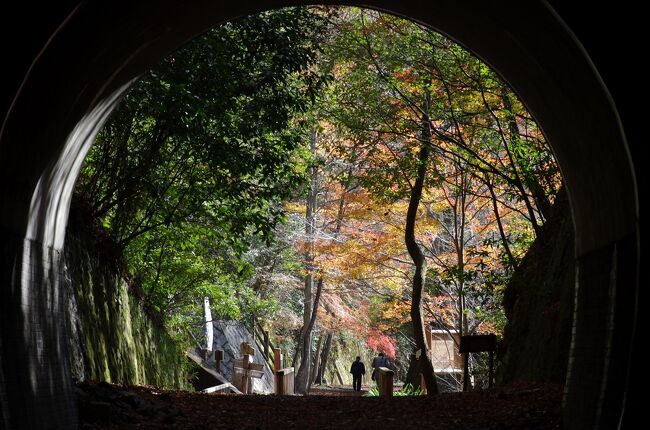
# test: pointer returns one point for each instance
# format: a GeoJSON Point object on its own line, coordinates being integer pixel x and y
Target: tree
{"type": "Point", "coordinates": [433, 120]}
{"type": "Point", "coordinates": [310, 307]}
{"type": "Point", "coordinates": [413, 182]}
{"type": "Point", "coordinates": [199, 155]}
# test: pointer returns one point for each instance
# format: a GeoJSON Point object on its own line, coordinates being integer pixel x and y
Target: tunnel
{"type": "Point", "coordinates": [68, 63]}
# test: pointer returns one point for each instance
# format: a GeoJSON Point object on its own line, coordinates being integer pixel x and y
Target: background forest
{"type": "Point", "coordinates": [333, 174]}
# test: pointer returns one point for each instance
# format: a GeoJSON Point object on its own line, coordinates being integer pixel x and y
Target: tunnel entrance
{"type": "Point", "coordinates": [37, 195]}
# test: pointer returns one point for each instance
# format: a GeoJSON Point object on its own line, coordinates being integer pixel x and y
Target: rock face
{"type": "Point", "coordinates": [539, 305]}
{"type": "Point", "coordinates": [110, 336]}
{"type": "Point", "coordinates": [228, 336]}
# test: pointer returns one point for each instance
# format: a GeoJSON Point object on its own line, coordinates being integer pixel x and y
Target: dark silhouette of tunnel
{"type": "Point", "coordinates": [72, 60]}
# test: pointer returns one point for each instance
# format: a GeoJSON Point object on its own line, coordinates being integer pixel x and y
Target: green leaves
{"type": "Point", "coordinates": [407, 390]}
{"type": "Point", "coordinates": [199, 155]}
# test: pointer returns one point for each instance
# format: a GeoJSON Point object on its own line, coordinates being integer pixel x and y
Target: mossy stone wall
{"type": "Point", "coordinates": [112, 338]}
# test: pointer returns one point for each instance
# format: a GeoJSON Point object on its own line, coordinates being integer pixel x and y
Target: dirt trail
{"type": "Point", "coordinates": [517, 407]}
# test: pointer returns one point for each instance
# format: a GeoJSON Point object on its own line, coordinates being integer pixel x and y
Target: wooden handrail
{"type": "Point", "coordinates": [284, 381]}
{"type": "Point", "coordinates": [385, 381]}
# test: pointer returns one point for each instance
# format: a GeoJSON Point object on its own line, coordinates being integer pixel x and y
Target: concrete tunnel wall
{"type": "Point", "coordinates": [92, 51]}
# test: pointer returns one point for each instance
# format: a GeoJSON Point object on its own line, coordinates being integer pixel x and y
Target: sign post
{"type": "Point", "coordinates": [477, 343]}
{"type": "Point", "coordinates": [244, 369]}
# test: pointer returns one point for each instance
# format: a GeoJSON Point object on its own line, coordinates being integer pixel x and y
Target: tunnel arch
{"type": "Point", "coordinates": [100, 48]}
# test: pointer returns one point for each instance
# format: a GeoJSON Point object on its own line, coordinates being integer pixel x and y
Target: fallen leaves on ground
{"type": "Point", "coordinates": [513, 407]}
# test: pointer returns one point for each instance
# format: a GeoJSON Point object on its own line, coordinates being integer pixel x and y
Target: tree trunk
{"type": "Point", "coordinates": [314, 367]}
{"type": "Point", "coordinates": [413, 373]}
{"type": "Point", "coordinates": [504, 239]}
{"type": "Point", "coordinates": [337, 372]}
{"type": "Point", "coordinates": [461, 254]}
{"type": "Point", "coordinates": [420, 263]}
{"type": "Point", "coordinates": [324, 357]}
{"type": "Point", "coordinates": [305, 352]}
{"type": "Point", "coordinates": [302, 377]}
{"type": "Point", "coordinates": [296, 352]}
{"type": "Point", "coordinates": [459, 244]}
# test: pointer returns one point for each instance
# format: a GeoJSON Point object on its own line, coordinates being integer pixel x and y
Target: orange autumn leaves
{"type": "Point", "coordinates": [399, 88]}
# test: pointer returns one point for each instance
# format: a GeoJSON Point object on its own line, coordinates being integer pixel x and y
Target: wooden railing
{"type": "Point", "coordinates": [385, 381]}
{"type": "Point", "coordinates": [284, 381]}
{"type": "Point", "coordinates": [263, 342]}
{"type": "Point", "coordinates": [284, 377]}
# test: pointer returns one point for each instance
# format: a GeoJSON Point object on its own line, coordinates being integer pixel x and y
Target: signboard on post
{"type": "Point", "coordinates": [443, 347]}
{"type": "Point", "coordinates": [477, 343]}
{"type": "Point", "coordinates": [244, 369]}
{"type": "Point", "coordinates": [443, 353]}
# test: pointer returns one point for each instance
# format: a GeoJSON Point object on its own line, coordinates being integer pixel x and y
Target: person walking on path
{"type": "Point", "coordinates": [380, 361]}
{"type": "Point", "coordinates": [357, 370]}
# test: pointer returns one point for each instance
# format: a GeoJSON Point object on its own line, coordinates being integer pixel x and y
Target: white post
{"type": "Point", "coordinates": [208, 324]}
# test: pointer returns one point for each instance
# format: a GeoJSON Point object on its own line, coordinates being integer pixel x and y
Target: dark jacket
{"type": "Point", "coordinates": [377, 362]}
{"type": "Point", "coordinates": [358, 368]}
{"type": "Point", "coordinates": [380, 361]}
